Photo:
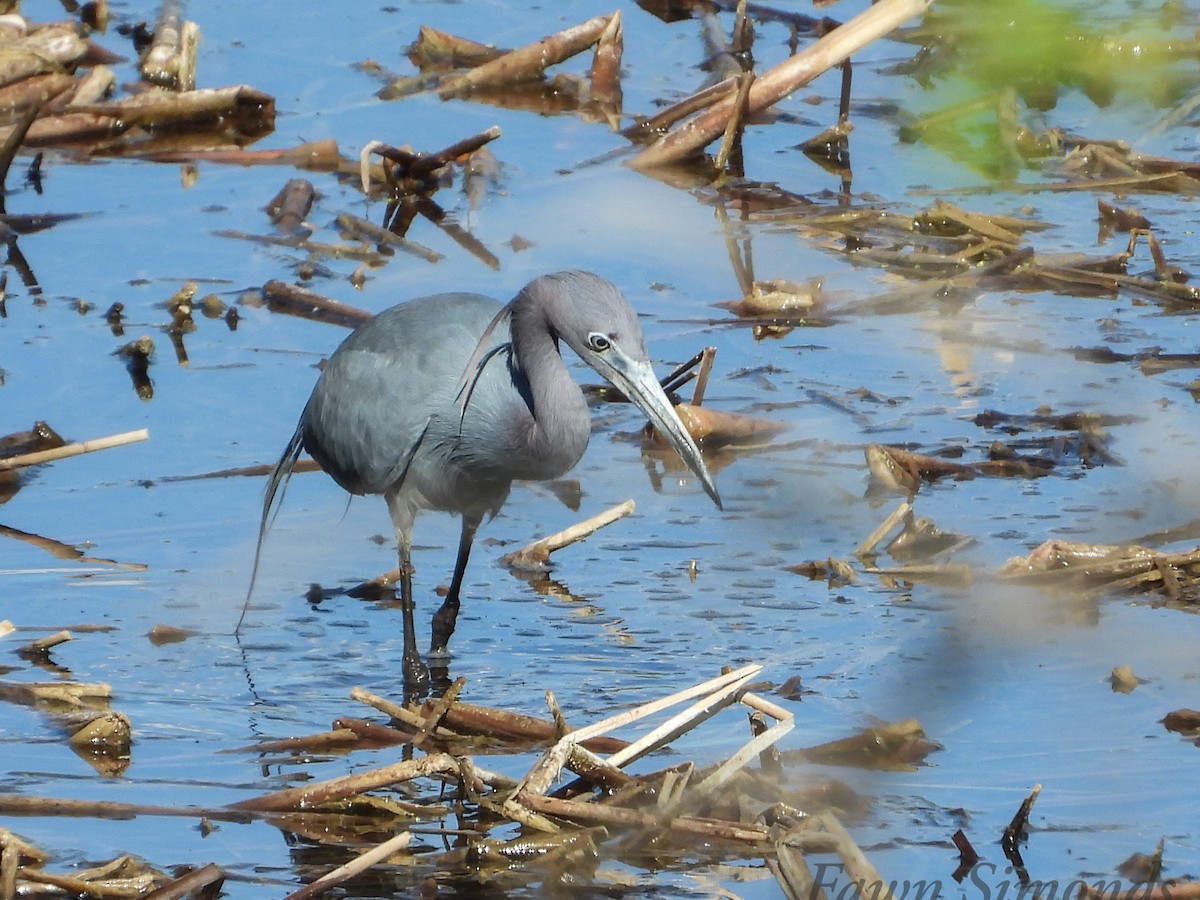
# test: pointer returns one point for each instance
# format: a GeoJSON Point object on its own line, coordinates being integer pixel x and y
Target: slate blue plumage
{"type": "Point", "coordinates": [442, 402]}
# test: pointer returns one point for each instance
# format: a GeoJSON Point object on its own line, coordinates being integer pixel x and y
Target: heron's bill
{"type": "Point", "coordinates": [636, 380]}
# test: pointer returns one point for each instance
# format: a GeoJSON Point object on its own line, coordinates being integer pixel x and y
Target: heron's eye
{"type": "Point", "coordinates": [598, 342]}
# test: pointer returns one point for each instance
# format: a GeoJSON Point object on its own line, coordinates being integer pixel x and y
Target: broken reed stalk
{"type": "Point", "coordinates": [76, 449]}
{"type": "Point", "coordinates": [661, 121]}
{"type": "Point", "coordinates": [895, 517]}
{"type": "Point", "coordinates": [528, 62]}
{"type": "Point", "coordinates": [334, 789]}
{"type": "Point", "coordinates": [356, 866]}
{"type": "Point", "coordinates": [707, 355]}
{"type": "Point", "coordinates": [1020, 822]}
{"type": "Point", "coordinates": [537, 554]}
{"type": "Point", "coordinates": [823, 833]}
{"type": "Point", "coordinates": [360, 229]}
{"type": "Point", "coordinates": [718, 693]}
{"type": "Point", "coordinates": [682, 722]}
{"type": "Point", "coordinates": [210, 876]}
{"type": "Point", "coordinates": [291, 298]}
{"type": "Point", "coordinates": [44, 807]}
{"type": "Point", "coordinates": [736, 124]}
{"type": "Point", "coordinates": [775, 84]}
{"type": "Point", "coordinates": [605, 74]}
{"type": "Point", "coordinates": [649, 709]}
{"type": "Point", "coordinates": [584, 811]}
{"type": "Point", "coordinates": [743, 757]}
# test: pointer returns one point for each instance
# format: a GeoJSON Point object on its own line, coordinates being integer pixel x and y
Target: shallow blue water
{"type": "Point", "coordinates": [1011, 682]}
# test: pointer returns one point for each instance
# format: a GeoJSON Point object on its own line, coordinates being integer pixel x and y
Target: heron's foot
{"type": "Point", "coordinates": [439, 671]}
{"type": "Point", "coordinates": [416, 677]}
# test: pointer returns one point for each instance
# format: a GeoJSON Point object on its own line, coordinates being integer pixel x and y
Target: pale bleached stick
{"type": "Point", "coordinates": [739, 760]}
{"type": "Point", "coordinates": [648, 709]}
{"type": "Point", "coordinates": [895, 517]}
{"type": "Point", "coordinates": [678, 724]}
{"type": "Point", "coordinates": [352, 868]}
{"type": "Point", "coordinates": [790, 75]}
{"type": "Point", "coordinates": [44, 456]}
{"type": "Point", "coordinates": [547, 767]}
{"type": "Point", "coordinates": [539, 551]}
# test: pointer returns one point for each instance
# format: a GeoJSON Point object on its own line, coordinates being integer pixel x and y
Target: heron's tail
{"type": "Point", "coordinates": [277, 480]}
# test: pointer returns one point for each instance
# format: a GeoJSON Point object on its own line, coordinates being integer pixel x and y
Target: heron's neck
{"type": "Point", "coordinates": [560, 426]}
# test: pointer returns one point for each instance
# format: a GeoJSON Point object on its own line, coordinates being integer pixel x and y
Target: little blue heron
{"type": "Point", "coordinates": [442, 402]}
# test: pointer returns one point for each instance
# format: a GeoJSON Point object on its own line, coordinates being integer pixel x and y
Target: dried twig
{"type": "Point", "coordinates": [529, 61]}
{"type": "Point", "coordinates": [207, 878]}
{"type": "Point", "coordinates": [310, 795]}
{"type": "Point", "coordinates": [354, 867]}
{"type": "Point", "coordinates": [894, 518]}
{"type": "Point", "coordinates": [80, 447]}
{"type": "Point", "coordinates": [790, 75]}
{"type": "Point", "coordinates": [537, 554]}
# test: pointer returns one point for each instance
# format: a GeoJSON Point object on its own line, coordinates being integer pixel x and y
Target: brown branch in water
{"type": "Point", "coordinates": [528, 62]}
{"type": "Point", "coordinates": [605, 75]}
{"type": "Point", "coordinates": [356, 866]}
{"type": "Point", "coordinates": [302, 465]}
{"type": "Point", "coordinates": [661, 121]}
{"type": "Point", "coordinates": [75, 449]}
{"type": "Point", "coordinates": [434, 48]}
{"type": "Point", "coordinates": [335, 789]}
{"type": "Point", "coordinates": [44, 807]}
{"type": "Point", "coordinates": [61, 550]}
{"type": "Point", "coordinates": [52, 48]}
{"type": "Point", "coordinates": [707, 356]}
{"type": "Point", "coordinates": [457, 233]}
{"type": "Point", "coordinates": [775, 84]}
{"type": "Point", "coordinates": [249, 107]}
{"type": "Point", "coordinates": [295, 300]}
{"type": "Point", "coordinates": [170, 60]}
{"type": "Point", "coordinates": [581, 811]}
{"type": "Point", "coordinates": [537, 554]}
{"type": "Point", "coordinates": [467, 718]}
{"type": "Point", "coordinates": [322, 155]}
{"type": "Point", "coordinates": [434, 711]}
{"type": "Point", "coordinates": [357, 228]}
{"type": "Point", "coordinates": [894, 518]}
{"type": "Point", "coordinates": [1015, 829]}
{"type": "Point", "coordinates": [337, 739]}
{"type": "Point", "coordinates": [42, 645]}
{"type": "Point", "coordinates": [207, 879]}
{"type": "Point", "coordinates": [290, 207]}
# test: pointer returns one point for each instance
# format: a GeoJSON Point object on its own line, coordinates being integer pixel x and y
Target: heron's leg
{"type": "Point", "coordinates": [445, 618]}
{"type": "Point", "coordinates": [415, 673]}
{"type": "Point", "coordinates": [416, 676]}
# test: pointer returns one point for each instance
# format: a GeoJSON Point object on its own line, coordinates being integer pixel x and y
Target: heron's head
{"type": "Point", "coordinates": [595, 320]}
{"type": "Point", "coordinates": [588, 313]}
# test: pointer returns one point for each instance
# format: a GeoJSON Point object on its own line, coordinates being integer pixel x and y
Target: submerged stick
{"type": "Point", "coordinates": [895, 517]}
{"type": "Point", "coordinates": [582, 811]}
{"type": "Point", "coordinates": [210, 876]}
{"type": "Point", "coordinates": [537, 554]}
{"type": "Point", "coordinates": [291, 298]}
{"type": "Point", "coordinates": [76, 449]}
{"type": "Point", "coordinates": [334, 789]}
{"type": "Point", "coordinates": [44, 807]}
{"type": "Point", "coordinates": [357, 865]}
{"type": "Point", "coordinates": [775, 84]}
